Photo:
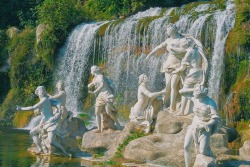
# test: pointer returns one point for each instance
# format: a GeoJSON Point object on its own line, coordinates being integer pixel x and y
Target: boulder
{"type": "Point", "coordinates": [12, 32]}
{"type": "Point", "coordinates": [245, 149]}
{"type": "Point", "coordinates": [204, 161]}
{"type": "Point", "coordinates": [39, 31]}
{"type": "Point", "coordinates": [99, 142]}
{"type": "Point", "coordinates": [169, 124]}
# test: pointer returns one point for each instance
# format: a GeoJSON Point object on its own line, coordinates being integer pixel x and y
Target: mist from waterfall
{"type": "Point", "coordinates": [125, 44]}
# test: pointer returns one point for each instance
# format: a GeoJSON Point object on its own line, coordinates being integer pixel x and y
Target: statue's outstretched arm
{"type": "Point", "coordinates": [36, 106]}
{"type": "Point", "coordinates": [163, 44]}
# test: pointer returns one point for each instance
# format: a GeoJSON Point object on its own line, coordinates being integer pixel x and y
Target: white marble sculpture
{"type": "Point", "coordinates": [105, 95]}
{"type": "Point", "coordinates": [142, 112]}
{"type": "Point", "coordinates": [196, 63]}
{"type": "Point", "coordinates": [172, 62]}
{"type": "Point", "coordinates": [49, 123]}
{"type": "Point", "coordinates": [206, 122]}
{"type": "Point", "coordinates": [65, 115]}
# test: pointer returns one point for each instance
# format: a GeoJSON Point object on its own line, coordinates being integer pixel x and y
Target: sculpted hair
{"type": "Point", "coordinates": [141, 78]}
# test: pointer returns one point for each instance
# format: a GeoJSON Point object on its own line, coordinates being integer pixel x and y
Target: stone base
{"type": "Point", "coordinates": [245, 149]}
{"type": "Point", "coordinates": [204, 161]}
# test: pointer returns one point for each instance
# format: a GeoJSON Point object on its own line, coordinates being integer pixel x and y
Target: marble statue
{"type": "Point", "coordinates": [206, 121]}
{"type": "Point", "coordinates": [142, 111]}
{"type": "Point", "coordinates": [65, 115]}
{"type": "Point", "coordinates": [49, 123]}
{"type": "Point", "coordinates": [105, 95]}
{"type": "Point", "coordinates": [172, 62]}
{"type": "Point", "coordinates": [196, 63]}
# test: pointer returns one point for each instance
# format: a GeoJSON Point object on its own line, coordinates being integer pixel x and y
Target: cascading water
{"type": "Point", "coordinates": [224, 21]}
{"type": "Point", "coordinates": [125, 44]}
{"type": "Point", "coordinates": [73, 62]}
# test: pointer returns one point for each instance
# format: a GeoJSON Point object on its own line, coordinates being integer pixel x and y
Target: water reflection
{"type": "Point", "coordinates": [13, 152]}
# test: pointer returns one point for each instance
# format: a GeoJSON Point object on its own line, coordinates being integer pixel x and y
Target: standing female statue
{"type": "Point", "coordinates": [172, 62]}
{"type": "Point", "coordinates": [105, 95]}
{"type": "Point", "coordinates": [142, 110]}
{"type": "Point", "coordinates": [48, 123]}
{"type": "Point", "coordinates": [196, 63]}
{"type": "Point", "coordinates": [206, 122]}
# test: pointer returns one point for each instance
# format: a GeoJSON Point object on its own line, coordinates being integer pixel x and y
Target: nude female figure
{"type": "Point", "coordinates": [48, 123]}
{"type": "Point", "coordinates": [173, 61]}
{"type": "Point", "coordinates": [141, 110]}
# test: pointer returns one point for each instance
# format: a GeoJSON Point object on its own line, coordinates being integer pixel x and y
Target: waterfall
{"type": "Point", "coordinates": [224, 21]}
{"type": "Point", "coordinates": [73, 62]}
{"type": "Point", "coordinates": [33, 122]}
{"type": "Point", "coordinates": [124, 44]}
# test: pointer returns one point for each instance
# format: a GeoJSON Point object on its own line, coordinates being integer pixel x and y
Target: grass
{"type": "Point", "coordinates": [22, 118]}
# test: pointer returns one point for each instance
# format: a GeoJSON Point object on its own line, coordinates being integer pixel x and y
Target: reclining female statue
{"type": "Point", "coordinates": [142, 111]}
{"type": "Point", "coordinates": [48, 124]}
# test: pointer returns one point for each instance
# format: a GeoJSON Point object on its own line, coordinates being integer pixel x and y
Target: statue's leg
{"type": "Point", "coordinates": [184, 101]}
{"type": "Point", "coordinates": [187, 146]}
{"type": "Point", "coordinates": [204, 144]}
{"type": "Point", "coordinates": [174, 91]}
{"type": "Point", "coordinates": [98, 117]}
{"type": "Point", "coordinates": [168, 88]}
{"type": "Point", "coordinates": [108, 109]}
{"type": "Point", "coordinates": [52, 141]}
{"type": "Point", "coordinates": [35, 136]}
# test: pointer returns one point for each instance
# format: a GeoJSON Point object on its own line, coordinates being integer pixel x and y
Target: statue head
{"type": "Point", "coordinates": [95, 70]}
{"type": "Point", "coordinates": [200, 91]}
{"type": "Point", "coordinates": [171, 29]}
{"type": "Point", "coordinates": [143, 78]}
{"type": "Point", "coordinates": [40, 91]}
{"type": "Point", "coordinates": [60, 85]}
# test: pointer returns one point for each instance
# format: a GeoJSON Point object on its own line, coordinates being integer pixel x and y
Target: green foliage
{"type": "Point", "coordinates": [112, 9]}
{"type": "Point", "coordinates": [18, 13]}
{"type": "Point", "coordinates": [3, 49]}
{"type": "Point", "coordinates": [58, 16]}
{"type": "Point", "coordinates": [135, 135]}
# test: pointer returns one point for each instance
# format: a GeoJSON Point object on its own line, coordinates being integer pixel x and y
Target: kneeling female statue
{"type": "Point", "coordinates": [142, 112]}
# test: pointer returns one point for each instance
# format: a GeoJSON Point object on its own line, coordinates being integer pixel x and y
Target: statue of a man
{"type": "Point", "coordinates": [172, 62]}
{"type": "Point", "coordinates": [196, 63]}
{"type": "Point", "coordinates": [206, 122]}
{"type": "Point", "coordinates": [142, 111]}
{"type": "Point", "coordinates": [48, 123]}
{"type": "Point", "coordinates": [105, 95]}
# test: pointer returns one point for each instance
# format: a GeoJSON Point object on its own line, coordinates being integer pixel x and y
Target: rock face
{"type": "Point", "coordinates": [12, 32]}
{"type": "Point", "coordinates": [108, 141]}
{"type": "Point", "coordinates": [39, 31]}
{"type": "Point", "coordinates": [166, 146]}
{"type": "Point", "coordinates": [163, 147]}
{"type": "Point", "coordinates": [245, 149]}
